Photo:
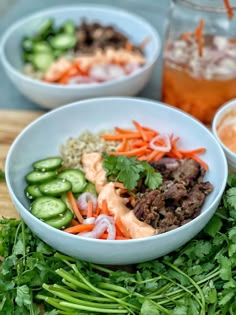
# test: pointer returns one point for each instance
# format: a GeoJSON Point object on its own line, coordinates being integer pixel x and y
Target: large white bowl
{"type": "Point", "coordinates": [54, 95]}
{"type": "Point", "coordinates": [43, 138]}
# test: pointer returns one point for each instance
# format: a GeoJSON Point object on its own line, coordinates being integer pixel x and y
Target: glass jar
{"type": "Point", "coordinates": [199, 57]}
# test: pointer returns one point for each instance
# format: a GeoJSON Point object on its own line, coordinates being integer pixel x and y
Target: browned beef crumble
{"type": "Point", "coordinates": [178, 200]}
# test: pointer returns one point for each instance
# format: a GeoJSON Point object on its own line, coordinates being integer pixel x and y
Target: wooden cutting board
{"type": "Point", "coordinates": [12, 122]}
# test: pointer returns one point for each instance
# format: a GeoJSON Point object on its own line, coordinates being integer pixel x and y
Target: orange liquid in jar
{"type": "Point", "coordinates": [227, 130]}
{"type": "Point", "coordinates": [199, 85]}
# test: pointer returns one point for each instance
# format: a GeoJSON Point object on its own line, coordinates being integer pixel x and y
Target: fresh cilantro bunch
{"type": "Point", "coordinates": [129, 170]}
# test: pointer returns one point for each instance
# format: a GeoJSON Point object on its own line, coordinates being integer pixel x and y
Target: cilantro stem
{"type": "Point", "coordinates": [53, 301]}
{"type": "Point", "coordinates": [82, 278]}
{"type": "Point", "coordinates": [92, 309]}
{"type": "Point", "coordinates": [61, 293]}
{"type": "Point", "coordinates": [82, 295]}
{"type": "Point", "coordinates": [203, 305]}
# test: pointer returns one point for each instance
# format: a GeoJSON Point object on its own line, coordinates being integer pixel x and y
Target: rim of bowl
{"type": "Point", "coordinates": [124, 99]}
{"type": "Point", "coordinates": [220, 113]}
{"type": "Point", "coordinates": [106, 9]}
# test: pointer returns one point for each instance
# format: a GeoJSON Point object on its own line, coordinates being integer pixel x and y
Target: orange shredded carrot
{"type": "Point", "coordinates": [186, 35]}
{"type": "Point", "coordinates": [128, 46]}
{"type": "Point", "coordinates": [138, 144]}
{"type": "Point", "coordinates": [190, 152]}
{"type": "Point", "coordinates": [74, 222]}
{"type": "Point", "coordinates": [140, 130]}
{"type": "Point", "coordinates": [200, 161]}
{"type": "Point", "coordinates": [74, 206]}
{"type": "Point", "coordinates": [134, 152]}
{"type": "Point", "coordinates": [229, 9]}
{"type": "Point", "coordinates": [131, 135]}
{"type": "Point", "coordinates": [80, 228]}
{"type": "Point", "coordinates": [104, 209]}
{"type": "Point", "coordinates": [119, 225]}
{"type": "Point", "coordinates": [90, 209]}
{"type": "Point", "coordinates": [123, 145]}
{"type": "Point", "coordinates": [145, 42]}
{"type": "Point", "coordinates": [232, 40]}
{"type": "Point", "coordinates": [199, 36]}
{"type": "Point", "coordinates": [121, 130]}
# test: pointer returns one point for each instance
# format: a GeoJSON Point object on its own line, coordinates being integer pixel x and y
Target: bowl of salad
{"type": "Point", "coordinates": [69, 53]}
{"type": "Point", "coordinates": [132, 182]}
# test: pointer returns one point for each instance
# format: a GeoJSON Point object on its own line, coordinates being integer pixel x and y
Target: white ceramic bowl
{"type": "Point", "coordinates": [217, 120]}
{"type": "Point", "coordinates": [43, 138]}
{"type": "Point", "coordinates": [54, 95]}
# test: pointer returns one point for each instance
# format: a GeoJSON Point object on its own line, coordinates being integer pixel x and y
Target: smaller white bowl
{"type": "Point", "coordinates": [218, 118]}
{"type": "Point", "coordinates": [50, 95]}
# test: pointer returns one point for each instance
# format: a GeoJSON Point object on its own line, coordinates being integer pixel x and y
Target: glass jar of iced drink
{"type": "Point", "coordinates": [199, 56]}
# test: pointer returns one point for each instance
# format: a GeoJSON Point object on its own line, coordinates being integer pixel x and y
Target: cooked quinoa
{"type": "Point", "coordinates": [87, 142]}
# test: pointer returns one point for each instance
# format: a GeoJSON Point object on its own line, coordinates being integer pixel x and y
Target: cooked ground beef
{"type": "Point", "coordinates": [178, 200]}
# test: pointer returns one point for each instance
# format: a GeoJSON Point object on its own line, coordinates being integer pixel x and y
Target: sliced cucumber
{"type": "Point", "coordinates": [76, 177]}
{"type": "Point", "coordinates": [69, 27]}
{"type": "Point", "coordinates": [41, 47]}
{"type": "Point", "coordinates": [37, 177]}
{"type": "Point", "coordinates": [61, 221]}
{"type": "Point", "coordinates": [48, 164]}
{"type": "Point", "coordinates": [42, 60]}
{"type": "Point", "coordinates": [47, 207]}
{"type": "Point", "coordinates": [90, 187]}
{"type": "Point", "coordinates": [55, 187]}
{"type": "Point", "coordinates": [66, 201]}
{"type": "Point", "coordinates": [63, 41]}
{"type": "Point", "coordinates": [32, 191]}
{"type": "Point", "coordinates": [46, 28]}
{"type": "Point", "coordinates": [27, 44]}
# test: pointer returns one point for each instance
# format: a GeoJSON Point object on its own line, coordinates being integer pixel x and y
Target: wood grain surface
{"type": "Point", "coordinates": [12, 122]}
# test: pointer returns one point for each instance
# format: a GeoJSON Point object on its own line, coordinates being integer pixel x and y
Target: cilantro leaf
{"type": "Point", "coordinates": [129, 170]}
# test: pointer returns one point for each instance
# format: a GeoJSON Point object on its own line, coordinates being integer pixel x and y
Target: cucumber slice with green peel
{"type": "Point", "coordinates": [61, 221]}
{"type": "Point", "coordinates": [46, 207]}
{"type": "Point", "coordinates": [63, 41]}
{"type": "Point", "coordinates": [27, 44]}
{"type": "Point", "coordinates": [90, 187]}
{"type": "Point", "coordinates": [42, 60]}
{"type": "Point", "coordinates": [48, 164]}
{"type": "Point", "coordinates": [41, 47]}
{"type": "Point", "coordinates": [45, 28]}
{"type": "Point", "coordinates": [76, 177]}
{"type": "Point", "coordinates": [69, 27]}
{"type": "Point", "coordinates": [55, 187]}
{"type": "Point", "coordinates": [32, 191]}
{"type": "Point", "coordinates": [38, 177]}
{"type": "Point", "coordinates": [65, 199]}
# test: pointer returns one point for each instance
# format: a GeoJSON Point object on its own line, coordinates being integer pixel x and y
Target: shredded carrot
{"type": "Point", "coordinates": [74, 206]}
{"type": "Point", "coordinates": [145, 42]}
{"type": "Point", "coordinates": [186, 35]}
{"type": "Point", "coordinates": [229, 9]}
{"type": "Point", "coordinates": [74, 222]}
{"type": "Point", "coordinates": [199, 36]}
{"type": "Point", "coordinates": [123, 145]}
{"type": "Point", "coordinates": [104, 209]}
{"type": "Point", "coordinates": [232, 40]}
{"type": "Point", "coordinates": [134, 152]}
{"type": "Point", "coordinates": [133, 144]}
{"type": "Point", "coordinates": [128, 46]}
{"type": "Point", "coordinates": [80, 228]}
{"type": "Point", "coordinates": [90, 209]}
{"type": "Point", "coordinates": [200, 161]}
{"type": "Point", "coordinates": [140, 130]}
{"type": "Point", "coordinates": [131, 135]}
{"type": "Point", "coordinates": [119, 225]}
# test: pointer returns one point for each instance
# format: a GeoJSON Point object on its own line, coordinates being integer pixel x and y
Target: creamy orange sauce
{"type": "Point", "coordinates": [94, 172]}
{"type": "Point", "coordinates": [133, 227]}
{"type": "Point", "coordinates": [226, 130]}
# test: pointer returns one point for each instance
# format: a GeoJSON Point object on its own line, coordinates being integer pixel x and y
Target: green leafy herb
{"type": "Point", "coordinates": [2, 176]}
{"type": "Point", "coordinates": [129, 170]}
{"type": "Point", "coordinates": [198, 279]}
